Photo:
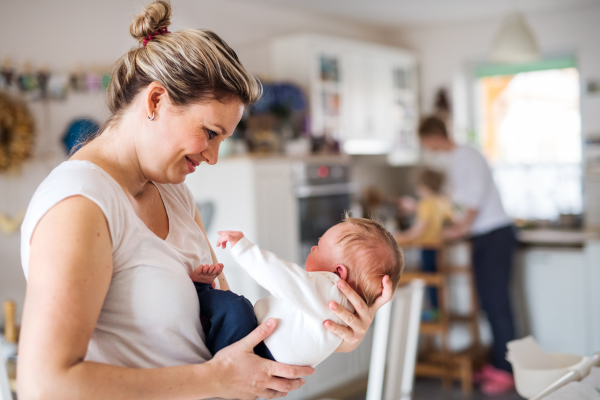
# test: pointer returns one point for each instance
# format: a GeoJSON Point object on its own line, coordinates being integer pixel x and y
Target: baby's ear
{"type": "Point", "coordinates": [341, 271]}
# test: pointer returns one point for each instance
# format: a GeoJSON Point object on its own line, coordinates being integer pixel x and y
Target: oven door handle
{"type": "Point", "coordinates": [326, 190]}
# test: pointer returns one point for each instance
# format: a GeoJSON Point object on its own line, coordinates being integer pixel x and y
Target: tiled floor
{"type": "Point", "coordinates": [431, 389]}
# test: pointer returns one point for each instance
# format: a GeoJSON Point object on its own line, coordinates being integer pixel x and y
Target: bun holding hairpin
{"type": "Point", "coordinates": [160, 31]}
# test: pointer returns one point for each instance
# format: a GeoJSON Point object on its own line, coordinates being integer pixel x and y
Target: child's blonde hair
{"type": "Point", "coordinates": [369, 245]}
{"type": "Point", "coordinates": [432, 179]}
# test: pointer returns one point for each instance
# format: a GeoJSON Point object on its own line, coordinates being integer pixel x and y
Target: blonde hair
{"type": "Point", "coordinates": [371, 247]}
{"type": "Point", "coordinates": [193, 65]}
{"type": "Point", "coordinates": [432, 179]}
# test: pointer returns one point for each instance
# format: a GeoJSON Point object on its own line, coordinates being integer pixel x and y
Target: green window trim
{"type": "Point", "coordinates": [513, 69]}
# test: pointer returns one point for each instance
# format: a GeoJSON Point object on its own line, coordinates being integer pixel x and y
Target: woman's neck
{"type": "Point", "coordinates": [115, 152]}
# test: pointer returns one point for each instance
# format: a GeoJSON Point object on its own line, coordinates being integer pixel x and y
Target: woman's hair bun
{"type": "Point", "coordinates": [157, 15]}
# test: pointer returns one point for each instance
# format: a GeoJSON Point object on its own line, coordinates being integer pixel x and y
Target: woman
{"type": "Point", "coordinates": [492, 237]}
{"type": "Point", "coordinates": [111, 237]}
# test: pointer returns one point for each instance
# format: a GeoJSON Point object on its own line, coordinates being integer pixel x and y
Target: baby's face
{"type": "Point", "coordinates": [325, 255]}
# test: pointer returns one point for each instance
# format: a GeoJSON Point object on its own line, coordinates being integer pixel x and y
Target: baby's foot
{"type": "Point", "coordinates": [206, 273]}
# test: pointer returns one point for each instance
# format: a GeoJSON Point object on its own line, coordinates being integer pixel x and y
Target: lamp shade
{"type": "Point", "coordinates": [515, 43]}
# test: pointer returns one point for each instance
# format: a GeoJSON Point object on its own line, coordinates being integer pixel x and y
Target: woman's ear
{"type": "Point", "coordinates": [341, 271]}
{"type": "Point", "coordinates": [156, 96]}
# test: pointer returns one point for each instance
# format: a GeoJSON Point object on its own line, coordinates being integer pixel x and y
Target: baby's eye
{"type": "Point", "coordinates": [211, 134]}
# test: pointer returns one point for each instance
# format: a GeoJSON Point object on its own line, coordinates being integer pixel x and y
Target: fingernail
{"type": "Point", "coordinates": [270, 322]}
{"type": "Point", "coordinates": [342, 284]}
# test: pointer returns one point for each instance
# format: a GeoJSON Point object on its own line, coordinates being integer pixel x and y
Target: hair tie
{"type": "Point", "coordinates": [160, 31]}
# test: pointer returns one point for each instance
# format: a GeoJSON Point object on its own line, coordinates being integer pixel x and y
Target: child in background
{"type": "Point", "coordinates": [357, 250]}
{"type": "Point", "coordinates": [434, 210]}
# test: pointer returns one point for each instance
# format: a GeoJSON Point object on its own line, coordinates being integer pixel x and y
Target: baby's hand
{"type": "Point", "coordinates": [228, 236]}
{"type": "Point", "coordinates": [206, 273]}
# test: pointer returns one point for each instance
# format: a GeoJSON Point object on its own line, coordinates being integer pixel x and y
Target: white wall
{"type": "Point", "coordinates": [445, 50]}
{"type": "Point", "coordinates": [66, 33]}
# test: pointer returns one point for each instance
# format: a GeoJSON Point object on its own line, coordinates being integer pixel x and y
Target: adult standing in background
{"type": "Point", "coordinates": [112, 235]}
{"type": "Point", "coordinates": [492, 235]}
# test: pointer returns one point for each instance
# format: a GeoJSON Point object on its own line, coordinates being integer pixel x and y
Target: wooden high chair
{"type": "Point", "coordinates": [438, 360]}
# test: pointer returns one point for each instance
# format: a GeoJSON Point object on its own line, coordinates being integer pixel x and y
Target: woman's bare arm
{"type": "Point", "coordinates": [223, 285]}
{"type": "Point", "coordinates": [70, 269]}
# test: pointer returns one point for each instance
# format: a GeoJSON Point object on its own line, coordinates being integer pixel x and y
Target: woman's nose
{"type": "Point", "coordinates": [211, 154]}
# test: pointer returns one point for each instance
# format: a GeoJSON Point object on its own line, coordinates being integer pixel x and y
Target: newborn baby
{"type": "Point", "coordinates": [357, 250]}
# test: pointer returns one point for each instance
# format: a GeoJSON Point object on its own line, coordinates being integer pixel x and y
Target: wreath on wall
{"type": "Point", "coordinates": [16, 133]}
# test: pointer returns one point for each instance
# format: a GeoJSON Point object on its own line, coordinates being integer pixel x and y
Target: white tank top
{"type": "Point", "coordinates": [150, 317]}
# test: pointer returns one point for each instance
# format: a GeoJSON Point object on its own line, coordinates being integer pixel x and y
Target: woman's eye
{"type": "Point", "coordinates": [211, 134]}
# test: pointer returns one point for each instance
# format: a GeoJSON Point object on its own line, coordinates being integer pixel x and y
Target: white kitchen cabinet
{"type": "Point", "coordinates": [561, 297]}
{"type": "Point", "coordinates": [362, 94]}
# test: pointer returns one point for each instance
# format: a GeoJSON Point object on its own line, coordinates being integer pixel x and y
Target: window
{"type": "Point", "coordinates": [530, 131]}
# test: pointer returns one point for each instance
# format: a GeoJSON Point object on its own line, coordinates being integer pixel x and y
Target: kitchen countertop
{"type": "Point", "coordinates": [556, 237]}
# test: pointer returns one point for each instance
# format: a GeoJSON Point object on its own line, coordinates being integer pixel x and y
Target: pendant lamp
{"type": "Point", "coordinates": [515, 43]}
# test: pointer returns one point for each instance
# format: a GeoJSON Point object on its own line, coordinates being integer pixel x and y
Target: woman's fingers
{"type": "Point", "coordinates": [258, 335]}
{"type": "Point", "coordinates": [289, 371]}
{"type": "Point", "coordinates": [272, 394]}
{"type": "Point", "coordinates": [342, 331]}
{"type": "Point", "coordinates": [349, 318]}
{"type": "Point", "coordinates": [359, 304]}
{"type": "Point", "coordinates": [285, 385]}
{"type": "Point", "coordinates": [386, 295]}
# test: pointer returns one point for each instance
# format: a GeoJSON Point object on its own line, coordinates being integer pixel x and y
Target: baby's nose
{"type": "Point", "coordinates": [313, 248]}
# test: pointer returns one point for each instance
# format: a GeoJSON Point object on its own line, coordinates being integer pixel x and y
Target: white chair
{"type": "Point", "coordinates": [395, 340]}
{"type": "Point", "coordinates": [5, 393]}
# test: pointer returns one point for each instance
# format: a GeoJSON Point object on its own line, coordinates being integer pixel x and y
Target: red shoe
{"type": "Point", "coordinates": [486, 371]}
{"type": "Point", "coordinates": [496, 381]}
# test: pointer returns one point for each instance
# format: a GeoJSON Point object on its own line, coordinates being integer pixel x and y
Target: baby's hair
{"type": "Point", "coordinates": [370, 245]}
{"type": "Point", "coordinates": [432, 179]}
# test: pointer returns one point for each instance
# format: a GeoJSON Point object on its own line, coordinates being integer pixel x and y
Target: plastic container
{"type": "Point", "coordinates": [529, 381]}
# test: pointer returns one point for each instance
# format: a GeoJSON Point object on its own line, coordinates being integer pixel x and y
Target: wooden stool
{"type": "Point", "coordinates": [440, 361]}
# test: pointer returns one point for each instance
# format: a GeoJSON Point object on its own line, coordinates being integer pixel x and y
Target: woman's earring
{"type": "Point", "coordinates": [151, 119]}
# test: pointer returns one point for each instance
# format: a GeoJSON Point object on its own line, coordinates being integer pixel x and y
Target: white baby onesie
{"type": "Point", "coordinates": [299, 302]}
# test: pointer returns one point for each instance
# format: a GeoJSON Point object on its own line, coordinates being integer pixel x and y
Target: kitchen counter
{"type": "Point", "coordinates": [556, 237]}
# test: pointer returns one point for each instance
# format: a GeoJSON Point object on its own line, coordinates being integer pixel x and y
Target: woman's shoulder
{"type": "Point", "coordinates": [75, 178]}
{"type": "Point", "coordinates": [79, 177]}
{"type": "Point", "coordinates": [77, 172]}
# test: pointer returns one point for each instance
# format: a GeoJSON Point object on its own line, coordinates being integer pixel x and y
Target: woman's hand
{"type": "Point", "coordinates": [240, 374]}
{"type": "Point", "coordinates": [359, 322]}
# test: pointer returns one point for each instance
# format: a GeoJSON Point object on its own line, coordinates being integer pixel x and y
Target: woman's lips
{"type": "Point", "coordinates": [191, 165]}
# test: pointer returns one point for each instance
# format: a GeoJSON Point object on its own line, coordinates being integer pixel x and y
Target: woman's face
{"type": "Point", "coordinates": [181, 138]}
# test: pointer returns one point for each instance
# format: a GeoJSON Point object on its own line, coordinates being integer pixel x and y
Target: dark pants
{"type": "Point", "coordinates": [428, 264]}
{"type": "Point", "coordinates": [492, 264]}
{"type": "Point", "coordinates": [226, 318]}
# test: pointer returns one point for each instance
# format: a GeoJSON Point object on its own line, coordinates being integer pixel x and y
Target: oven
{"type": "Point", "coordinates": [324, 193]}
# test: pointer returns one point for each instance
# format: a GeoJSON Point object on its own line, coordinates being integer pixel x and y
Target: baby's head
{"type": "Point", "coordinates": [360, 251]}
{"type": "Point", "coordinates": [430, 182]}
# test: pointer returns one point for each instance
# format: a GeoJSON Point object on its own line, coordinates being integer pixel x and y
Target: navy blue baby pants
{"type": "Point", "coordinates": [226, 318]}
